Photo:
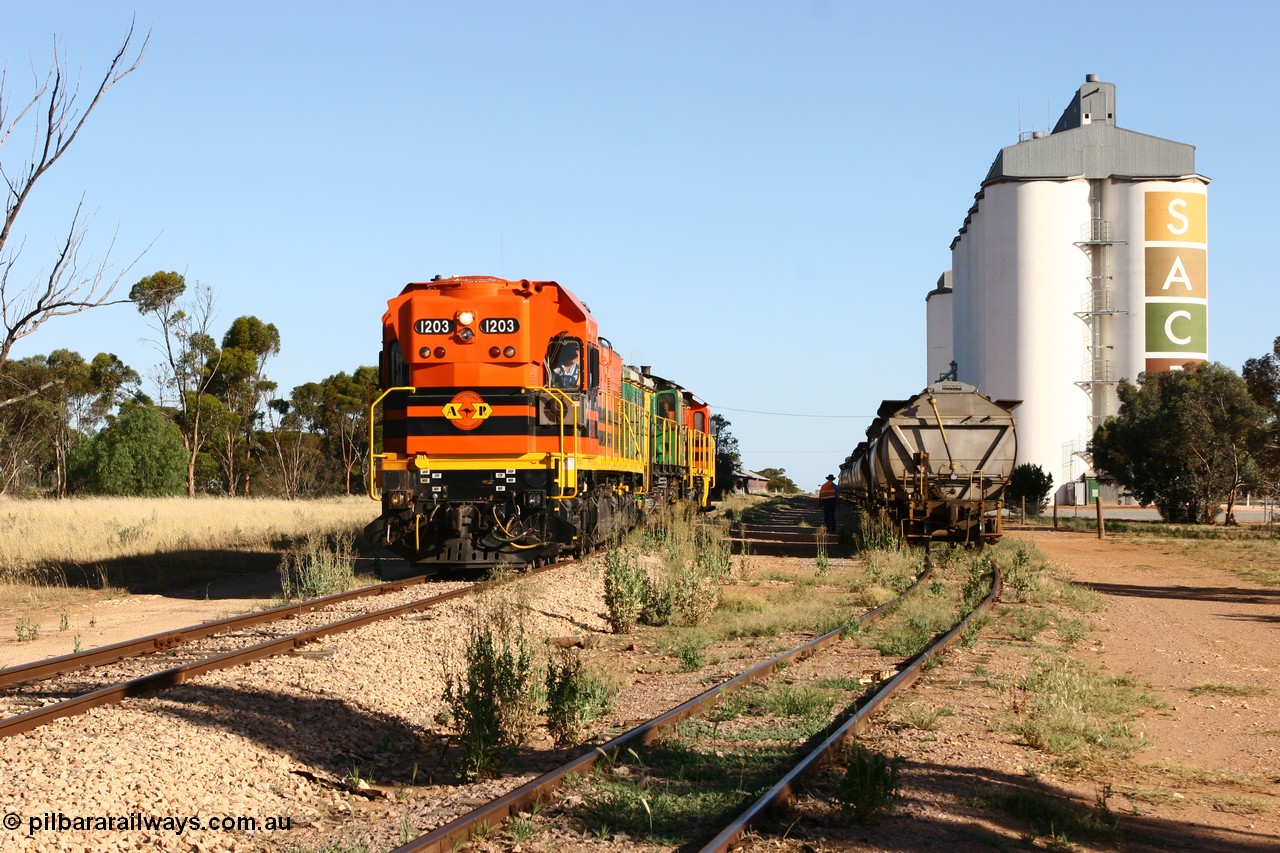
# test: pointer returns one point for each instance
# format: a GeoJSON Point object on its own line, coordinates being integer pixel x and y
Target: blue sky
{"type": "Point", "coordinates": [753, 197]}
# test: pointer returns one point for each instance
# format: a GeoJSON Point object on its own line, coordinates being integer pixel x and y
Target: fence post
{"type": "Point", "coordinates": [1097, 502]}
{"type": "Point", "coordinates": [1055, 513]}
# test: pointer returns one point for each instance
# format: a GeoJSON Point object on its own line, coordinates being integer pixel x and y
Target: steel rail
{"type": "Point", "coordinates": [177, 675]}
{"type": "Point", "coordinates": [42, 670]}
{"type": "Point", "coordinates": [783, 791]}
{"type": "Point", "coordinates": [463, 828]}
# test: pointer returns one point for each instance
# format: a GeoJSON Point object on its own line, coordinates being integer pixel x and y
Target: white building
{"type": "Point", "coordinates": [1083, 260]}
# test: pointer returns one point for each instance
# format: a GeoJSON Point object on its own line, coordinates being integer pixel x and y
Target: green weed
{"type": "Point", "coordinates": [691, 654]}
{"type": "Point", "coordinates": [494, 702]}
{"type": "Point", "coordinates": [869, 784]}
{"type": "Point", "coordinates": [322, 565]}
{"type": "Point", "coordinates": [26, 629]}
{"type": "Point", "coordinates": [876, 532]}
{"type": "Point", "coordinates": [926, 718]}
{"type": "Point", "coordinates": [626, 589]}
{"type": "Point", "coordinates": [803, 701]}
{"type": "Point", "coordinates": [575, 697]}
{"type": "Point", "coordinates": [1069, 710]}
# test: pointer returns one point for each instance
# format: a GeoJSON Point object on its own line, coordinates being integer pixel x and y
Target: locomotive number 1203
{"type": "Point", "coordinates": [499, 325]}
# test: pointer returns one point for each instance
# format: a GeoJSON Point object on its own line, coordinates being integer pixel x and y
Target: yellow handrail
{"type": "Point", "coordinates": [561, 398]}
{"type": "Point", "coordinates": [374, 456]}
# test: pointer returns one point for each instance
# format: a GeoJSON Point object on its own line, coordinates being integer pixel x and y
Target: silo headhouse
{"type": "Point", "coordinates": [1083, 260]}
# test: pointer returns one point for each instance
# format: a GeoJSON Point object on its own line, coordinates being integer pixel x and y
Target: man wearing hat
{"type": "Point", "coordinates": [827, 497]}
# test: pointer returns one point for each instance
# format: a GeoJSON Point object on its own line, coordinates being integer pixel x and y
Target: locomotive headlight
{"type": "Point", "coordinates": [466, 318]}
{"type": "Point", "coordinates": [509, 352]}
{"type": "Point", "coordinates": [465, 334]}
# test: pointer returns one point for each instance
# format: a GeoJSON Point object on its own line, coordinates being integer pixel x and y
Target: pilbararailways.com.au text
{"type": "Point", "coordinates": [136, 822]}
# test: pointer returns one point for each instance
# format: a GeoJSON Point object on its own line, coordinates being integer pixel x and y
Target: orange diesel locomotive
{"type": "Point", "coordinates": [512, 432]}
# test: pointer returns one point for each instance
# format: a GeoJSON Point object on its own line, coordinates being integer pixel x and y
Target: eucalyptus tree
{"type": "Point", "coordinates": [337, 408]}
{"type": "Point", "coordinates": [84, 397]}
{"type": "Point", "coordinates": [1262, 375]}
{"type": "Point", "coordinates": [728, 458]}
{"type": "Point", "coordinates": [295, 452]}
{"type": "Point", "coordinates": [27, 426]}
{"type": "Point", "coordinates": [241, 382]}
{"type": "Point", "coordinates": [1186, 440]}
{"type": "Point", "coordinates": [72, 398]}
{"type": "Point", "coordinates": [191, 357]}
{"type": "Point", "coordinates": [140, 453]}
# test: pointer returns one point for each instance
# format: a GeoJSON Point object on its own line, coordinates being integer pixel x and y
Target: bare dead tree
{"type": "Point", "coordinates": [72, 284]}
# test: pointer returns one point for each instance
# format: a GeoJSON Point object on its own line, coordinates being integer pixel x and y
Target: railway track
{"type": "Point", "coordinates": [526, 797]}
{"type": "Point", "coordinates": [49, 668]}
{"type": "Point", "coordinates": [795, 531]}
{"type": "Point", "coordinates": [36, 693]}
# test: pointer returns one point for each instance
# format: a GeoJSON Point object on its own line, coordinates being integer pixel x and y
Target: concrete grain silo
{"type": "Point", "coordinates": [938, 323]}
{"type": "Point", "coordinates": [1083, 260]}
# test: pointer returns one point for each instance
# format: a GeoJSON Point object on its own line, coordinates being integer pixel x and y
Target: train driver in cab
{"type": "Point", "coordinates": [568, 370]}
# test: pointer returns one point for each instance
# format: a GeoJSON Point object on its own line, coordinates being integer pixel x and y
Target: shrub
{"type": "Point", "coordinates": [1023, 565]}
{"type": "Point", "coordinates": [139, 453]}
{"type": "Point", "coordinates": [691, 654]}
{"type": "Point", "coordinates": [575, 697]}
{"type": "Point", "coordinates": [322, 565]}
{"type": "Point", "coordinates": [1030, 483]}
{"type": "Point", "coordinates": [869, 784]}
{"type": "Point", "coordinates": [657, 605]}
{"type": "Point", "coordinates": [696, 560]}
{"type": "Point", "coordinates": [495, 702]}
{"type": "Point", "coordinates": [876, 532]}
{"type": "Point", "coordinates": [626, 589]}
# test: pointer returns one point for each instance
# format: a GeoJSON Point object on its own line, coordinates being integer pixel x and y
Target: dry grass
{"type": "Point", "coordinates": [150, 543]}
{"type": "Point", "coordinates": [1257, 560]}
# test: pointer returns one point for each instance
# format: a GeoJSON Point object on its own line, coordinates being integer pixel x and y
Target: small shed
{"type": "Point", "coordinates": [750, 482]}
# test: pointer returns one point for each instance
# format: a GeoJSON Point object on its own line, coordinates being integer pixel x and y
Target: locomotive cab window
{"type": "Point", "coordinates": [564, 363]}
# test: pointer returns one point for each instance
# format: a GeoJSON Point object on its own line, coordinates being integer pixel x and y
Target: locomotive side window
{"type": "Point", "coordinates": [395, 372]}
{"type": "Point", "coordinates": [564, 363]}
{"type": "Point", "coordinates": [593, 368]}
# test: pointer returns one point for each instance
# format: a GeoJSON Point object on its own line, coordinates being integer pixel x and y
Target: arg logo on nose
{"type": "Point", "coordinates": [467, 410]}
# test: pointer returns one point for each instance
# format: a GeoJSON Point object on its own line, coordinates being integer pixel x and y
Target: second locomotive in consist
{"type": "Point", "coordinates": [936, 464]}
{"type": "Point", "coordinates": [512, 432]}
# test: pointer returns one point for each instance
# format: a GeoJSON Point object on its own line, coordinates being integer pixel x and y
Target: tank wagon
{"type": "Point", "coordinates": [937, 464]}
{"type": "Point", "coordinates": [513, 433]}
